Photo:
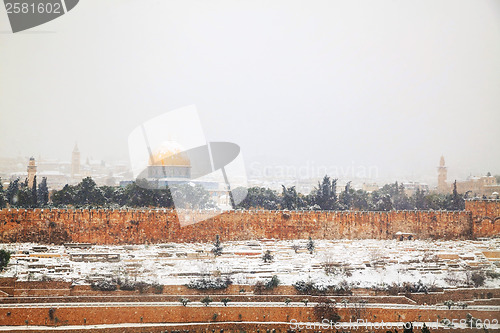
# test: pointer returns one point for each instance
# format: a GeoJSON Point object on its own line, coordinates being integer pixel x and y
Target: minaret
{"type": "Point", "coordinates": [75, 162]}
{"type": "Point", "coordinates": [442, 176]}
{"type": "Point", "coordinates": [31, 172]}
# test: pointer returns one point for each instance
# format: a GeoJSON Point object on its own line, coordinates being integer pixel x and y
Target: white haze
{"type": "Point", "coordinates": [391, 84]}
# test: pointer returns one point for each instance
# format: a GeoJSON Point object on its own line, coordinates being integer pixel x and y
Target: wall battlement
{"type": "Point", "coordinates": [481, 218]}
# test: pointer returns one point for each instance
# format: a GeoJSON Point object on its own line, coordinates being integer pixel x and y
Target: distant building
{"type": "Point", "coordinates": [442, 175]}
{"type": "Point", "coordinates": [474, 186]}
{"type": "Point", "coordinates": [169, 162]}
{"type": "Point", "coordinates": [169, 165]}
{"type": "Point", "coordinates": [31, 172]}
{"type": "Point", "coordinates": [370, 187]}
{"type": "Point", "coordinates": [59, 173]}
{"type": "Point", "coordinates": [479, 186]}
{"type": "Point", "coordinates": [75, 162]}
{"type": "Point", "coordinates": [411, 188]}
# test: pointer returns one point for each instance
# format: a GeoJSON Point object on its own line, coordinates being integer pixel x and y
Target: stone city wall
{"type": "Point", "coordinates": [47, 226]}
{"type": "Point", "coordinates": [485, 215]}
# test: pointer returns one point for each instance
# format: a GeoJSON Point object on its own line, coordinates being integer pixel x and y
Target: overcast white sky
{"type": "Point", "coordinates": [393, 84]}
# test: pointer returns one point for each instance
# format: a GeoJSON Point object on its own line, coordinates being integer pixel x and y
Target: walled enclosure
{"type": "Point", "coordinates": [479, 219]}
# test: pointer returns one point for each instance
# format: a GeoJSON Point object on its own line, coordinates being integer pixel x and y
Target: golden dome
{"type": "Point", "coordinates": [169, 153]}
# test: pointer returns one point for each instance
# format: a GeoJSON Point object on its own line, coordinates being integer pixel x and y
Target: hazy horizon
{"type": "Point", "coordinates": [331, 83]}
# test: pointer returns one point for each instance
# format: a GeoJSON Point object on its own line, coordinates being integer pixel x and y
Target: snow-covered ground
{"type": "Point", "coordinates": [362, 263]}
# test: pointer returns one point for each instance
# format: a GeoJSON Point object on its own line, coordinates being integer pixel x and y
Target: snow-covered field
{"type": "Point", "coordinates": [362, 263]}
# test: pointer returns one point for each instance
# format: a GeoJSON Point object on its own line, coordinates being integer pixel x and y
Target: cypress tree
{"type": "Point", "coordinates": [43, 193]}
{"type": "Point", "coordinates": [12, 192]}
{"type": "Point", "coordinates": [2, 196]}
{"type": "Point", "coordinates": [34, 197]}
{"type": "Point", "coordinates": [310, 245]}
{"type": "Point", "coordinates": [457, 202]}
{"type": "Point", "coordinates": [217, 250]}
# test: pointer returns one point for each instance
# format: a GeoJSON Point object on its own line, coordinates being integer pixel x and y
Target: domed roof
{"type": "Point", "coordinates": [169, 153]}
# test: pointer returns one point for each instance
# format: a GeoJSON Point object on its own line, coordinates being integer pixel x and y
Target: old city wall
{"type": "Point", "coordinates": [480, 219]}
{"type": "Point", "coordinates": [485, 215]}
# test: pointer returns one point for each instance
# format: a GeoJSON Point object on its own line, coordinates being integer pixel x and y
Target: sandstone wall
{"type": "Point", "coordinates": [485, 215]}
{"type": "Point", "coordinates": [480, 219]}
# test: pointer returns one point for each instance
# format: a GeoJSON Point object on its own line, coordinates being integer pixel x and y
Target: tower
{"type": "Point", "coordinates": [75, 162]}
{"type": "Point", "coordinates": [31, 171]}
{"type": "Point", "coordinates": [442, 176]}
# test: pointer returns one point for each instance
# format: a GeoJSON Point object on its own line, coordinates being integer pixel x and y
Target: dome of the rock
{"type": "Point", "coordinates": [169, 153]}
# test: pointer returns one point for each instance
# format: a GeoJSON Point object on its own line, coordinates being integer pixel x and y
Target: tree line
{"type": "Point", "coordinates": [20, 194]}
{"type": "Point", "coordinates": [324, 196]}
{"type": "Point", "coordinates": [87, 194]}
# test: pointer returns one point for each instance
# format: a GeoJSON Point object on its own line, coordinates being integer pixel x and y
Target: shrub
{"type": "Point", "coordinates": [393, 289]}
{"type": "Point", "coordinates": [476, 278]}
{"type": "Point", "coordinates": [267, 257]}
{"type": "Point", "coordinates": [449, 303]}
{"type": "Point", "coordinates": [261, 286]}
{"type": "Point", "coordinates": [4, 259]}
{"type": "Point", "coordinates": [454, 280]}
{"type": "Point", "coordinates": [358, 310]}
{"type": "Point", "coordinates": [304, 287]}
{"type": "Point", "coordinates": [206, 300]}
{"type": "Point", "coordinates": [329, 268]}
{"type": "Point", "coordinates": [407, 287]}
{"type": "Point", "coordinates": [51, 313]}
{"type": "Point", "coordinates": [342, 288]}
{"type": "Point", "coordinates": [273, 283]}
{"type": "Point", "coordinates": [287, 301]}
{"type": "Point", "coordinates": [470, 320]}
{"type": "Point", "coordinates": [157, 288]}
{"type": "Point", "coordinates": [325, 309]}
{"type": "Point", "coordinates": [345, 302]}
{"type": "Point", "coordinates": [217, 250]}
{"type": "Point", "coordinates": [311, 246]}
{"type": "Point", "coordinates": [184, 301]}
{"type": "Point", "coordinates": [225, 300]}
{"type": "Point", "coordinates": [46, 278]}
{"type": "Point", "coordinates": [104, 285]}
{"type": "Point", "coordinates": [207, 284]}
{"type": "Point", "coordinates": [142, 287]}
{"type": "Point", "coordinates": [310, 288]}
{"type": "Point", "coordinates": [127, 285]}
{"type": "Point", "coordinates": [296, 247]}
{"type": "Point", "coordinates": [332, 267]}
{"type": "Point", "coordinates": [446, 322]}
{"type": "Point", "coordinates": [417, 287]}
